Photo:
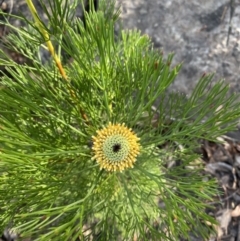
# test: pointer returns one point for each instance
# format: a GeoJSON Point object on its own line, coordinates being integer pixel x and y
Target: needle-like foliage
{"type": "Point", "coordinates": [87, 156]}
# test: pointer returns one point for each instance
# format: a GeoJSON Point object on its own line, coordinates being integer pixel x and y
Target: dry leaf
{"type": "Point", "coordinates": [236, 211]}
{"type": "Point", "coordinates": [224, 221]}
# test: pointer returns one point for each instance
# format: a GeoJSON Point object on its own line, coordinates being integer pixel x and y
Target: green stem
{"type": "Point", "coordinates": [52, 51]}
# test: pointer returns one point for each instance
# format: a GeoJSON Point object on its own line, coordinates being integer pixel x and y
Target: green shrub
{"type": "Point", "coordinates": [84, 149]}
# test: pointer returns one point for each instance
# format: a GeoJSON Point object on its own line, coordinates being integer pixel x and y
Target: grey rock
{"type": "Point", "coordinates": [196, 31]}
{"type": "Point", "coordinates": [143, 11]}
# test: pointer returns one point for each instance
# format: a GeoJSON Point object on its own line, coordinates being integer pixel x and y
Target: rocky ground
{"type": "Point", "coordinates": [196, 31]}
{"type": "Point", "coordinates": [205, 36]}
